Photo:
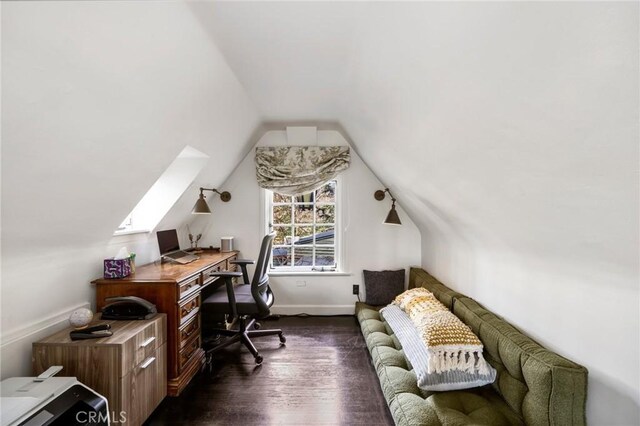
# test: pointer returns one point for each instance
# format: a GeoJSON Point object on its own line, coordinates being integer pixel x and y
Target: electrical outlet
{"type": "Point", "coordinates": [356, 289]}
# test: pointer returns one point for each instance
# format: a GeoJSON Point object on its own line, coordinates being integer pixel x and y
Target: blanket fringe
{"type": "Point", "coordinates": [446, 360]}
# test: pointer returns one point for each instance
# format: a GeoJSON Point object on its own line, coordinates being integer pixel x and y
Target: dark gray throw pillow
{"type": "Point", "coordinates": [381, 287]}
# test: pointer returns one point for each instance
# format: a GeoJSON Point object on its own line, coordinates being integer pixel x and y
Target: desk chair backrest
{"type": "Point", "coordinates": [260, 283]}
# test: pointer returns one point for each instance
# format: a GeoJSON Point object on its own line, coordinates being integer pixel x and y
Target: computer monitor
{"type": "Point", "coordinates": [168, 241]}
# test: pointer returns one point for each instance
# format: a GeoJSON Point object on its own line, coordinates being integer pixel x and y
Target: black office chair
{"type": "Point", "coordinates": [246, 302]}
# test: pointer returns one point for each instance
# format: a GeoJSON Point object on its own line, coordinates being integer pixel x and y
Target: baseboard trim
{"type": "Point", "coordinates": [313, 309]}
{"type": "Point", "coordinates": [37, 327]}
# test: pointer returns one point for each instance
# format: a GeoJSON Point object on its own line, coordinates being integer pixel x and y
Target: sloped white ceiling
{"type": "Point", "coordinates": [98, 99]}
{"type": "Point", "coordinates": [496, 120]}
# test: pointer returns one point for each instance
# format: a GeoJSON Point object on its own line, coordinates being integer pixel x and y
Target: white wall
{"type": "Point", "coordinates": [587, 314]}
{"type": "Point", "coordinates": [368, 243]}
{"type": "Point", "coordinates": [98, 98]}
{"type": "Point", "coordinates": [523, 172]}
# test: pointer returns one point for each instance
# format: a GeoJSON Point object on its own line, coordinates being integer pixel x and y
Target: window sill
{"type": "Point", "coordinates": [309, 273]}
{"type": "Point", "coordinates": [131, 232]}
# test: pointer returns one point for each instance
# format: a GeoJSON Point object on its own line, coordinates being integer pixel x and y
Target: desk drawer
{"type": "Point", "coordinates": [206, 279]}
{"type": "Point", "coordinates": [231, 266]}
{"type": "Point", "coordinates": [188, 309]}
{"type": "Point", "coordinates": [189, 286]}
{"type": "Point", "coordinates": [191, 328]}
{"type": "Point", "coordinates": [215, 268]}
{"type": "Point", "coordinates": [190, 349]}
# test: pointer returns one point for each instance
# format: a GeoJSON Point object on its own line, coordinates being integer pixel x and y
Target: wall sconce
{"type": "Point", "coordinates": [392, 217]}
{"type": "Point", "coordinates": [201, 206]}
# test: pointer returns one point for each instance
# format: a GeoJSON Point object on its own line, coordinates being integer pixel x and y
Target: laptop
{"type": "Point", "coordinates": [170, 248]}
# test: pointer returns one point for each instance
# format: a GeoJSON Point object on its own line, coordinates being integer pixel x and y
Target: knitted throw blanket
{"type": "Point", "coordinates": [451, 345]}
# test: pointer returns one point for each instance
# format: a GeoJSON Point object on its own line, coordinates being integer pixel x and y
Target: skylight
{"type": "Point", "coordinates": [164, 193]}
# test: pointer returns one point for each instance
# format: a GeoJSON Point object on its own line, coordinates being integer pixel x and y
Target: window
{"type": "Point", "coordinates": [164, 193]}
{"type": "Point", "coordinates": [306, 230]}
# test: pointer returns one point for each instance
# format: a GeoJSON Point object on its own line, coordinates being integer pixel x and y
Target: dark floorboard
{"type": "Point", "coordinates": [323, 376]}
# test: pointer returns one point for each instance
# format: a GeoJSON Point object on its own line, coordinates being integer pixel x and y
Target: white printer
{"type": "Point", "coordinates": [46, 400]}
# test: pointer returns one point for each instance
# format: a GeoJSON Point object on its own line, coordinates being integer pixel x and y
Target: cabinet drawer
{"type": "Point", "coordinates": [144, 387]}
{"type": "Point", "coordinates": [188, 309]}
{"type": "Point", "coordinates": [189, 351]}
{"type": "Point", "coordinates": [191, 328]}
{"type": "Point", "coordinates": [138, 339]}
{"type": "Point", "coordinates": [145, 343]}
{"type": "Point", "coordinates": [187, 287]}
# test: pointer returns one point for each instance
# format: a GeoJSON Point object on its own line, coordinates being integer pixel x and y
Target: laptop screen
{"type": "Point", "coordinates": [168, 241]}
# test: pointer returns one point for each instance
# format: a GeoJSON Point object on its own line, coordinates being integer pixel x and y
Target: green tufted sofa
{"type": "Point", "coordinates": [534, 385]}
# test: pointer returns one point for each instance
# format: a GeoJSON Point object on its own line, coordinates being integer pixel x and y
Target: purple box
{"type": "Point", "coordinates": [117, 268]}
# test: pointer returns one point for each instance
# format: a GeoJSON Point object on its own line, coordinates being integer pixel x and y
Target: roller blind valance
{"type": "Point", "coordinates": [295, 170]}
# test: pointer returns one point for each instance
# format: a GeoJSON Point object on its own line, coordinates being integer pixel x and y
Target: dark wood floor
{"type": "Point", "coordinates": [323, 376]}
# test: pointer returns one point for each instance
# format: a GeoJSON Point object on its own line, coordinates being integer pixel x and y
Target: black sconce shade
{"type": "Point", "coordinates": [392, 217]}
{"type": "Point", "coordinates": [201, 206]}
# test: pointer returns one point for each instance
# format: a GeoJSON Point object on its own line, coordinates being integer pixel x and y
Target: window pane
{"type": "Point", "coordinates": [303, 255]}
{"type": "Point", "coordinates": [303, 213]}
{"type": "Point", "coordinates": [281, 214]}
{"type": "Point", "coordinates": [304, 198]}
{"type": "Point", "coordinates": [283, 235]}
{"type": "Point", "coordinates": [325, 214]}
{"type": "Point", "coordinates": [325, 256]}
{"type": "Point", "coordinates": [325, 235]}
{"type": "Point", "coordinates": [304, 235]}
{"type": "Point", "coordinates": [280, 198]}
{"type": "Point", "coordinates": [281, 256]}
{"type": "Point", "coordinates": [327, 194]}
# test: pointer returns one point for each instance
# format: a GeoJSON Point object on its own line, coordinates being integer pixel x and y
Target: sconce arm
{"type": "Point", "coordinates": [224, 195]}
{"type": "Point", "coordinates": [380, 194]}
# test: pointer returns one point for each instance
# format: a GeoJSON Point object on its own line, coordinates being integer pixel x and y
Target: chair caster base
{"type": "Point", "coordinates": [207, 364]}
{"type": "Point", "coordinates": [258, 359]}
{"type": "Point", "coordinates": [283, 339]}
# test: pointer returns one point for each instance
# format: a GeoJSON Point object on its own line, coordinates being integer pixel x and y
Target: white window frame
{"type": "Point", "coordinates": [267, 203]}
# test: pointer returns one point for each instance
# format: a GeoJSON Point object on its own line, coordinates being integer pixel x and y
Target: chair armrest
{"type": "Point", "coordinates": [224, 274]}
{"type": "Point", "coordinates": [242, 262]}
{"type": "Point", "coordinates": [243, 266]}
{"type": "Point", "coordinates": [231, 295]}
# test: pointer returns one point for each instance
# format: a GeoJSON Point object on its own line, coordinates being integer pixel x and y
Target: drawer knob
{"type": "Point", "coordinates": [147, 342]}
{"type": "Point", "coordinates": [148, 362]}
{"type": "Point", "coordinates": [187, 309]}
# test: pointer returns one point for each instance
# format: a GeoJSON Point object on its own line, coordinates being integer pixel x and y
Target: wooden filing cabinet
{"type": "Point", "coordinates": [128, 368]}
{"type": "Point", "coordinates": [175, 289]}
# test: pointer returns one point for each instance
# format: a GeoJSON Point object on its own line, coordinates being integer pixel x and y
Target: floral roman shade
{"type": "Point", "coordinates": [295, 170]}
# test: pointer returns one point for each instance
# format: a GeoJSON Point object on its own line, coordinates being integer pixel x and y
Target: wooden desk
{"type": "Point", "coordinates": [175, 290]}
